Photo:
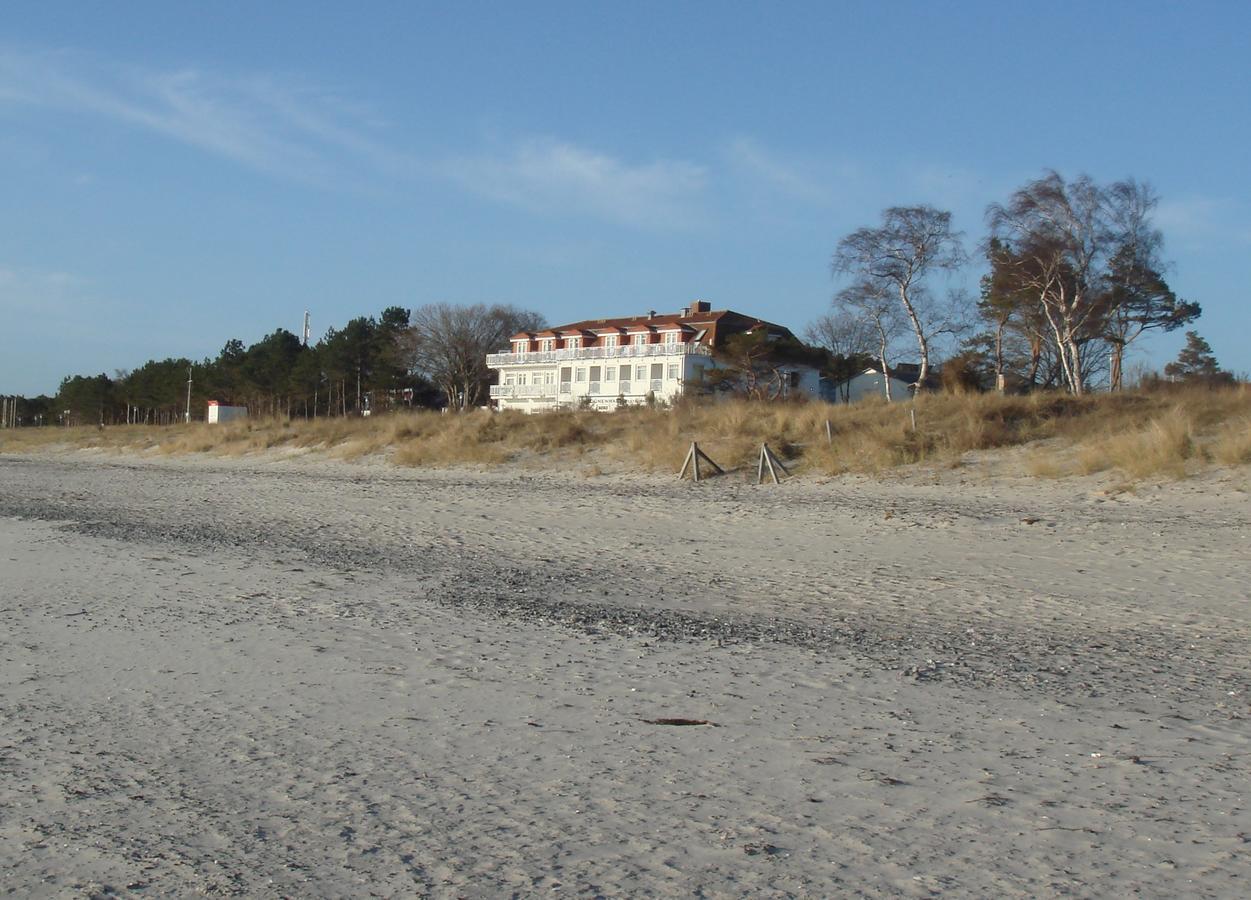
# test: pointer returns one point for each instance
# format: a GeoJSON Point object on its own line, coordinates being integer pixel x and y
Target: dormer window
{"type": "Point", "coordinates": [573, 343]}
{"type": "Point", "coordinates": [610, 340]}
{"type": "Point", "coordinates": [521, 346]}
{"type": "Point", "coordinates": [547, 344]}
{"type": "Point", "coordinates": [671, 337]}
{"type": "Point", "coordinates": [642, 338]}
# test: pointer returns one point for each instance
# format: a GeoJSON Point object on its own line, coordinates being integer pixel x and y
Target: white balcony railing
{"type": "Point", "coordinates": [631, 351]}
{"type": "Point", "coordinates": [630, 390]}
{"type": "Point", "coordinates": [523, 390]}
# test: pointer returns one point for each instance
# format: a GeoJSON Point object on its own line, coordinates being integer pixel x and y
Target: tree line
{"type": "Point", "coordinates": [432, 356]}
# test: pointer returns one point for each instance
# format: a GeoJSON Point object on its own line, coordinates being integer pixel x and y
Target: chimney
{"type": "Point", "coordinates": [686, 311]}
{"type": "Point", "coordinates": [703, 306]}
{"type": "Point", "coordinates": [651, 314]}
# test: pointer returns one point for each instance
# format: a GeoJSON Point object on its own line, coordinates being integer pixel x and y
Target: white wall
{"type": "Point", "coordinates": [222, 414]}
{"type": "Point", "coordinates": [543, 382]}
{"type": "Point", "coordinates": [870, 384]}
{"type": "Point", "coordinates": [542, 387]}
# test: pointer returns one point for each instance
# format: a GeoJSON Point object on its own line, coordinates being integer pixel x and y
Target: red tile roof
{"type": "Point", "coordinates": [716, 325]}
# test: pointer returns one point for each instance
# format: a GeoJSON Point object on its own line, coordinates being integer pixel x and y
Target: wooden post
{"type": "Point", "coordinates": [913, 412]}
{"type": "Point", "coordinates": [693, 456]}
{"type": "Point", "coordinates": [768, 459]}
{"type": "Point", "coordinates": [829, 432]}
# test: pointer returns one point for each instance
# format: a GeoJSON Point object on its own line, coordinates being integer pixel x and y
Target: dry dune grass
{"type": "Point", "coordinates": [1232, 444]}
{"type": "Point", "coordinates": [1142, 435]}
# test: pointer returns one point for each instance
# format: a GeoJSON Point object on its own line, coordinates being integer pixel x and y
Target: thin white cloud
{"type": "Point", "coordinates": [258, 121]}
{"type": "Point", "coordinates": [796, 179]}
{"type": "Point", "coordinates": [47, 294]}
{"type": "Point", "coordinates": [282, 128]}
{"type": "Point", "coordinates": [1190, 216]}
{"type": "Point", "coordinates": [1198, 221]}
{"type": "Point", "coordinates": [555, 177]}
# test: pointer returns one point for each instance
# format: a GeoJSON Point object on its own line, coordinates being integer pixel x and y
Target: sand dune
{"type": "Point", "coordinates": [305, 678]}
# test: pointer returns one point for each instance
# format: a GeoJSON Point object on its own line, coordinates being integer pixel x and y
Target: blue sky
{"type": "Point", "coordinates": [176, 175]}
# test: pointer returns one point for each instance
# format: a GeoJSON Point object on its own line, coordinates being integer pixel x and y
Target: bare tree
{"type": "Point", "coordinates": [1089, 258]}
{"type": "Point", "coordinates": [843, 333]}
{"type": "Point", "coordinates": [449, 345]}
{"type": "Point", "coordinates": [912, 244]}
{"type": "Point", "coordinates": [1136, 298]}
{"type": "Point", "coordinates": [870, 303]}
{"type": "Point", "coordinates": [850, 341]}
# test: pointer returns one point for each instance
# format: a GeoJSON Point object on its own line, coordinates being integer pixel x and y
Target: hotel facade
{"type": "Point", "coordinates": [608, 363]}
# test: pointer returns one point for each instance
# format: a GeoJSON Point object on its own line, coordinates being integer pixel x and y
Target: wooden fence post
{"type": "Point", "coordinates": [768, 459]}
{"type": "Point", "coordinates": [693, 456]}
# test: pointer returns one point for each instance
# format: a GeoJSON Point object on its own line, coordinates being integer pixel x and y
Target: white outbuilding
{"type": "Point", "coordinates": [870, 383]}
{"type": "Point", "coordinates": [219, 414]}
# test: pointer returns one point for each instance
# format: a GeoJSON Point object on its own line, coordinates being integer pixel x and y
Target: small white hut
{"type": "Point", "coordinates": [870, 383]}
{"type": "Point", "coordinates": [219, 414]}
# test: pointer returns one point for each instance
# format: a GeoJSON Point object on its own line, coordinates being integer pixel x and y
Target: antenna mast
{"type": "Point", "coordinates": [307, 323]}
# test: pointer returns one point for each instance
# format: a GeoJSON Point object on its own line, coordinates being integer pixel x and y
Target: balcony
{"type": "Point", "coordinates": [522, 390]}
{"type": "Point", "coordinates": [631, 351]}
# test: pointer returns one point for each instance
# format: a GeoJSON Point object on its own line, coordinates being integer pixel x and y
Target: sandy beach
{"type": "Point", "coordinates": [295, 677]}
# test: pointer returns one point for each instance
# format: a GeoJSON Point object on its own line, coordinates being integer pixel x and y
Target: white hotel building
{"type": "Point", "coordinates": [605, 363]}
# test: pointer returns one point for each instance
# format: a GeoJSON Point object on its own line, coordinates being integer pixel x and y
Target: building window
{"type": "Point", "coordinates": [671, 337]}
{"type": "Point", "coordinates": [610, 340]}
{"type": "Point", "coordinates": [521, 346]}
{"type": "Point", "coordinates": [573, 343]}
{"type": "Point", "coordinates": [610, 373]}
{"type": "Point", "coordinates": [522, 379]}
{"type": "Point", "coordinates": [640, 373]}
{"type": "Point", "coordinates": [642, 339]}
{"type": "Point", "coordinates": [579, 374]}
{"type": "Point", "coordinates": [509, 379]}
{"type": "Point", "coordinates": [673, 371]}
{"type": "Point", "coordinates": [548, 344]}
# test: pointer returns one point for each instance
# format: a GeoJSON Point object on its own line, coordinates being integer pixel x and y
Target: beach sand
{"type": "Point", "coordinates": [300, 677]}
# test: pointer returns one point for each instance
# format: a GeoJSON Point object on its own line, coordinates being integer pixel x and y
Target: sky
{"type": "Point", "coordinates": [175, 175]}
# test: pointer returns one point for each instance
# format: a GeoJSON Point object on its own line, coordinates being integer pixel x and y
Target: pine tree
{"type": "Point", "coordinates": [1196, 362]}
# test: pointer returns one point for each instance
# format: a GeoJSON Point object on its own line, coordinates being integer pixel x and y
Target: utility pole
{"type": "Point", "coordinates": [189, 394]}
